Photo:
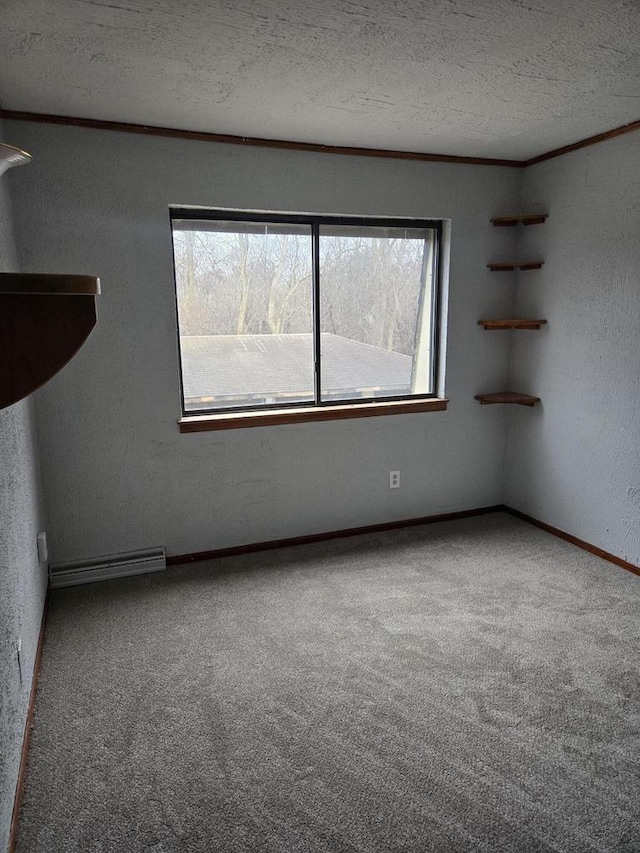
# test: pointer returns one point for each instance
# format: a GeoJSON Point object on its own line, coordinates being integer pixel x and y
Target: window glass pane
{"type": "Point", "coordinates": [375, 311]}
{"type": "Point", "coordinates": [244, 295]}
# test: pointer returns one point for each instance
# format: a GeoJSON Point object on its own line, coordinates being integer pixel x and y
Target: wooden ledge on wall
{"type": "Point", "coordinates": [525, 219]}
{"type": "Point", "coordinates": [308, 414]}
{"type": "Point", "coordinates": [500, 266]}
{"type": "Point", "coordinates": [509, 397]}
{"type": "Point", "coordinates": [44, 320]}
{"type": "Point", "coordinates": [511, 324]}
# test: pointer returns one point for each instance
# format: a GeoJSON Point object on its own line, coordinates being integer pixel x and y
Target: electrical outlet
{"type": "Point", "coordinates": [394, 479]}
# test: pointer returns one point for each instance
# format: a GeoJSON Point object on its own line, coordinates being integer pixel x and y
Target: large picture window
{"type": "Point", "coordinates": [297, 311]}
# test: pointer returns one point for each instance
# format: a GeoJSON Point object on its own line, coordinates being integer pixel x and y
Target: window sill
{"type": "Point", "coordinates": [273, 417]}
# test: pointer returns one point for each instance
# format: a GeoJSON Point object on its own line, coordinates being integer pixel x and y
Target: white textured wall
{"type": "Point", "coordinates": [117, 473]}
{"type": "Point", "coordinates": [22, 579]}
{"type": "Point", "coordinates": [574, 461]}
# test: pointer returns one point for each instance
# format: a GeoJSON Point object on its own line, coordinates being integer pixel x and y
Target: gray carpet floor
{"type": "Point", "coordinates": [465, 686]}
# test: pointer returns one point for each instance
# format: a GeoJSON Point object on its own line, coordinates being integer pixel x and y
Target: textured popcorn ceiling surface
{"type": "Point", "coordinates": [491, 78]}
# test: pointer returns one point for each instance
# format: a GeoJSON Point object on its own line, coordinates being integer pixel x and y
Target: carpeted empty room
{"type": "Point", "coordinates": [466, 685]}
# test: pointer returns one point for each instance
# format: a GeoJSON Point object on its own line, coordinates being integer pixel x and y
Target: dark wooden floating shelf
{"type": "Point", "coordinates": [38, 284]}
{"type": "Point", "coordinates": [515, 265]}
{"type": "Point", "coordinates": [525, 218]}
{"type": "Point", "coordinates": [511, 324]}
{"type": "Point", "coordinates": [511, 397]}
{"type": "Point", "coordinates": [44, 320]}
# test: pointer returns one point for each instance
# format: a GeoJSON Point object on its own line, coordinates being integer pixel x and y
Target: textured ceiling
{"type": "Point", "coordinates": [486, 78]}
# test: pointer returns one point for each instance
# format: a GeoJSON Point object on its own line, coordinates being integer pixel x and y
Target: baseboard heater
{"type": "Point", "coordinates": [107, 568]}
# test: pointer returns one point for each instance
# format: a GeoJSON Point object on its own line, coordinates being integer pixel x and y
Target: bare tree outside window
{"type": "Point", "coordinates": [250, 335]}
{"type": "Point", "coordinates": [375, 290]}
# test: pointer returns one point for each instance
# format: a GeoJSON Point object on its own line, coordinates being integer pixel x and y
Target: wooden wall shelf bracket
{"type": "Point", "coordinates": [525, 219]}
{"type": "Point", "coordinates": [44, 320]}
{"type": "Point", "coordinates": [511, 324]}
{"type": "Point", "coordinates": [499, 266]}
{"type": "Point", "coordinates": [510, 397]}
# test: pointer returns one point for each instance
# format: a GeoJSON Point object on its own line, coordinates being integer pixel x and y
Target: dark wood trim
{"type": "Point", "coordinates": [253, 141]}
{"type": "Point", "coordinates": [584, 143]}
{"type": "Point", "coordinates": [586, 546]}
{"type": "Point", "coordinates": [308, 414]}
{"type": "Point", "coordinates": [26, 740]}
{"type": "Point", "coordinates": [229, 139]}
{"type": "Point", "coordinates": [251, 548]}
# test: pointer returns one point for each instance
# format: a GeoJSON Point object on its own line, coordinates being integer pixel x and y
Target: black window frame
{"type": "Point", "coordinates": [315, 221]}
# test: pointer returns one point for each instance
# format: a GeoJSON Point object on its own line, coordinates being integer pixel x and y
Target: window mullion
{"type": "Point", "coordinates": [315, 236]}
